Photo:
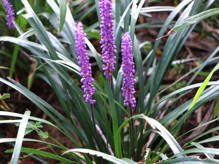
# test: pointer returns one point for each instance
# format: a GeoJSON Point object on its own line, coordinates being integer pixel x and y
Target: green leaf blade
{"type": "Point", "coordinates": [63, 10]}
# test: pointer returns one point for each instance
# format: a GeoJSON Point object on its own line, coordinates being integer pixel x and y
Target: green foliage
{"type": "Point", "coordinates": [216, 109]}
{"type": "Point", "coordinates": [63, 8]}
{"type": "Point", "coordinates": [4, 96]}
{"type": "Point", "coordinates": [36, 126]}
{"type": "Point", "coordinates": [197, 18]}
{"type": "Point", "coordinates": [44, 154]}
{"type": "Point", "coordinates": [107, 157]}
{"type": "Point", "coordinates": [203, 86]}
{"type": "Point", "coordinates": [20, 135]}
{"type": "Point", "coordinates": [48, 36]}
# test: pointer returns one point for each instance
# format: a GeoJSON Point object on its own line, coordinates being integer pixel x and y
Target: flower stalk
{"type": "Point", "coordinates": [107, 41]}
{"type": "Point", "coordinates": [128, 69]}
{"type": "Point", "coordinates": [128, 86]}
{"type": "Point", "coordinates": [83, 60]}
{"type": "Point", "coordinates": [85, 72]}
{"type": "Point", "coordinates": [10, 13]}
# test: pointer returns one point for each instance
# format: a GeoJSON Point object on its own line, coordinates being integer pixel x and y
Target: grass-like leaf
{"type": "Point", "coordinates": [174, 145]}
{"type": "Point", "coordinates": [203, 86]}
{"type": "Point", "coordinates": [8, 140]}
{"type": "Point", "coordinates": [196, 18]}
{"type": "Point", "coordinates": [20, 136]}
{"type": "Point", "coordinates": [12, 114]}
{"type": "Point", "coordinates": [44, 154]}
{"type": "Point", "coordinates": [63, 10]}
{"type": "Point", "coordinates": [102, 155]}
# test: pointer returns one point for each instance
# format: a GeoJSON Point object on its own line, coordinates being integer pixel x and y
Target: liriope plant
{"type": "Point", "coordinates": [117, 93]}
{"type": "Point", "coordinates": [10, 13]}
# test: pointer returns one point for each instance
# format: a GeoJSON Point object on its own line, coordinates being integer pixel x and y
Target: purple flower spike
{"type": "Point", "coordinates": [10, 13]}
{"type": "Point", "coordinates": [107, 38]}
{"type": "Point", "coordinates": [83, 61]}
{"type": "Point", "coordinates": [128, 68]}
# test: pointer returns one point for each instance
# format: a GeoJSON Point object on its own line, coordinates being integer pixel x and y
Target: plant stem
{"type": "Point", "coordinates": [132, 131]}
{"type": "Point", "coordinates": [111, 84]}
{"type": "Point", "coordinates": [113, 113]}
{"type": "Point", "coordinates": [93, 120]}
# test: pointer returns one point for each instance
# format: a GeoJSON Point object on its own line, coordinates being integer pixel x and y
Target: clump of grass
{"type": "Point", "coordinates": [136, 83]}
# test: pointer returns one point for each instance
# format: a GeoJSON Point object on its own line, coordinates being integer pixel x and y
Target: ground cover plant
{"type": "Point", "coordinates": [107, 80]}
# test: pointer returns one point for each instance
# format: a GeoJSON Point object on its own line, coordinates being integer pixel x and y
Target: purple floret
{"type": "Point", "coordinates": [83, 61]}
{"type": "Point", "coordinates": [128, 68]}
{"type": "Point", "coordinates": [10, 13]}
{"type": "Point", "coordinates": [107, 38]}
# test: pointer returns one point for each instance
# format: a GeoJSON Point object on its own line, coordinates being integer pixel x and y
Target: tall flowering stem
{"type": "Point", "coordinates": [85, 72]}
{"type": "Point", "coordinates": [10, 13]}
{"type": "Point", "coordinates": [128, 89]}
{"type": "Point", "coordinates": [83, 60]}
{"type": "Point", "coordinates": [108, 50]}
{"type": "Point", "coordinates": [107, 38]}
{"type": "Point", "coordinates": [128, 68]}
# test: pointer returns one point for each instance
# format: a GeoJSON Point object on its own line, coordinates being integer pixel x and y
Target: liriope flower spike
{"type": "Point", "coordinates": [83, 61]}
{"type": "Point", "coordinates": [10, 13]}
{"type": "Point", "coordinates": [107, 38]}
{"type": "Point", "coordinates": [128, 68]}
